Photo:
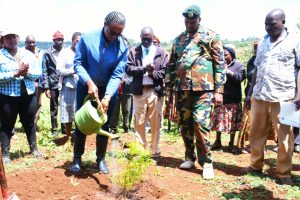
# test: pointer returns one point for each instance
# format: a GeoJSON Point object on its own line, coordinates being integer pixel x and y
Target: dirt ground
{"type": "Point", "coordinates": [50, 179]}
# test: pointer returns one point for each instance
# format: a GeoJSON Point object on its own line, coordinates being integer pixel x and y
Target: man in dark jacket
{"type": "Point", "coordinates": [147, 65]}
{"type": "Point", "coordinates": [50, 77]}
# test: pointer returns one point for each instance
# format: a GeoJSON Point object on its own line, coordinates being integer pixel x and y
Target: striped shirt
{"type": "Point", "coordinates": [9, 85]}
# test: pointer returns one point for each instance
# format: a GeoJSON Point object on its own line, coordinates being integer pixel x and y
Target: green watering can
{"type": "Point", "coordinates": [90, 118]}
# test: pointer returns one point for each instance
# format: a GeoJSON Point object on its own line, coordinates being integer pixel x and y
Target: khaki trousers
{"type": "Point", "coordinates": [258, 137]}
{"type": "Point", "coordinates": [148, 105]}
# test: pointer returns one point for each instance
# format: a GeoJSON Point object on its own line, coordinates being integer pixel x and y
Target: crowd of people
{"type": "Point", "coordinates": [199, 81]}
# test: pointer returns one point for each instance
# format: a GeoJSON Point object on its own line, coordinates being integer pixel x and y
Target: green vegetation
{"type": "Point", "coordinates": [137, 161]}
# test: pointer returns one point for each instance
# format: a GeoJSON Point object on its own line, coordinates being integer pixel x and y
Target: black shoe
{"type": "Point", "coordinates": [76, 167]}
{"type": "Point", "coordinates": [216, 146]}
{"type": "Point", "coordinates": [286, 181]}
{"type": "Point", "coordinates": [103, 167]}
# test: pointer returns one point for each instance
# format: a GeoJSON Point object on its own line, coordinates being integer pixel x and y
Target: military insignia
{"type": "Point", "coordinates": [191, 15]}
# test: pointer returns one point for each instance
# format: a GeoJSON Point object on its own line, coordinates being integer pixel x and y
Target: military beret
{"type": "Point", "coordinates": [192, 12]}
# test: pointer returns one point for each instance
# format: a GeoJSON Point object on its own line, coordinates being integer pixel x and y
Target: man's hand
{"type": "Point", "coordinates": [229, 72]}
{"type": "Point", "coordinates": [105, 102]}
{"type": "Point", "coordinates": [48, 94]}
{"type": "Point", "coordinates": [297, 102]}
{"type": "Point", "coordinates": [247, 102]}
{"type": "Point", "coordinates": [23, 70]}
{"type": "Point", "coordinates": [150, 69]}
{"type": "Point", "coordinates": [92, 89]}
{"type": "Point", "coordinates": [218, 99]}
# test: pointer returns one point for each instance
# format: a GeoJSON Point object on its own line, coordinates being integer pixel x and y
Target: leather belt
{"type": "Point", "coordinates": [148, 86]}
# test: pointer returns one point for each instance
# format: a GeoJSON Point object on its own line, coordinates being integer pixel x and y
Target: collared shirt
{"type": "Point", "coordinates": [50, 74]}
{"type": "Point", "coordinates": [38, 53]}
{"type": "Point", "coordinates": [101, 61]}
{"type": "Point", "coordinates": [148, 58]}
{"type": "Point", "coordinates": [65, 68]}
{"type": "Point", "coordinates": [277, 66]}
{"type": "Point", "coordinates": [9, 85]}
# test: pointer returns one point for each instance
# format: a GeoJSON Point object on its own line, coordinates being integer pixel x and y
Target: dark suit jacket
{"type": "Point", "coordinates": [135, 69]}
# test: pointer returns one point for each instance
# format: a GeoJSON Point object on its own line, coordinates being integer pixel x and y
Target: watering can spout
{"type": "Point", "coordinates": [107, 134]}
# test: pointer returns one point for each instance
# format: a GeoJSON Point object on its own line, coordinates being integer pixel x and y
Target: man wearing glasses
{"type": "Point", "coordinates": [147, 65]}
{"type": "Point", "coordinates": [100, 59]}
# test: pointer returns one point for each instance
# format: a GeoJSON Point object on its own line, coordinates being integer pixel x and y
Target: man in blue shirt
{"type": "Point", "coordinates": [100, 59]}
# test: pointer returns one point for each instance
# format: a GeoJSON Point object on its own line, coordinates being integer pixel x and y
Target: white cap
{"type": "Point", "coordinates": [8, 31]}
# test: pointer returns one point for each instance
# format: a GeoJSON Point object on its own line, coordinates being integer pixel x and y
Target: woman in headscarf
{"type": "Point", "coordinates": [228, 117]}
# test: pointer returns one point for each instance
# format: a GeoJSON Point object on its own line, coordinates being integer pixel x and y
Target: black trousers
{"type": "Point", "coordinates": [10, 107]}
{"type": "Point", "coordinates": [80, 138]}
{"type": "Point", "coordinates": [296, 132]}
{"type": "Point", "coordinates": [125, 102]}
{"type": "Point", "coordinates": [54, 110]}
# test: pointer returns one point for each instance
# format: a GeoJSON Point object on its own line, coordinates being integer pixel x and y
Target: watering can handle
{"type": "Point", "coordinates": [99, 105]}
{"type": "Point", "coordinates": [100, 108]}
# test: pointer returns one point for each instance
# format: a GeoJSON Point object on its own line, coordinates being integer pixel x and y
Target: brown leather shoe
{"type": "Point", "coordinates": [250, 170]}
{"type": "Point", "coordinates": [286, 181]}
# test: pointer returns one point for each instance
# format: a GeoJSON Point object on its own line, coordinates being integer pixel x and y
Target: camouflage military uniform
{"type": "Point", "coordinates": [196, 71]}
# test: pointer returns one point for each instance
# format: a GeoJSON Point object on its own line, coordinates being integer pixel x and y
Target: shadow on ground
{"type": "Point", "coordinates": [258, 193]}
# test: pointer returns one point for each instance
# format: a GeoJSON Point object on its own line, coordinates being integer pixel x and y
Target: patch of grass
{"type": "Point", "coordinates": [238, 196]}
{"type": "Point", "coordinates": [292, 192]}
{"type": "Point", "coordinates": [138, 161]}
{"type": "Point", "coordinates": [73, 182]}
{"type": "Point", "coordinates": [158, 173]}
{"type": "Point", "coordinates": [175, 196]}
{"type": "Point", "coordinates": [173, 135]}
{"type": "Point", "coordinates": [254, 180]}
{"type": "Point", "coordinates": [27, 164]}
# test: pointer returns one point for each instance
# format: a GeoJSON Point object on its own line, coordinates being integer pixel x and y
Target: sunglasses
{"type": "Point", "coordinates": [113, 33]}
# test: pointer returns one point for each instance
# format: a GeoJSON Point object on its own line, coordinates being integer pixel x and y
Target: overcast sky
{"type": "Point", "coordinates": [232, 19]}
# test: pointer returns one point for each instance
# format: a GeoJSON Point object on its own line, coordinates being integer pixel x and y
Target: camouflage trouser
{"type": "Point", "coordinates": [194, 110]}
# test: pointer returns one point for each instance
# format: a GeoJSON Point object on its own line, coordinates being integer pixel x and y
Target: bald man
{"type": "Point", "coordinates": [277, 60]}
{"type": "Point", "coordinates": [30, 45]}
{"type": "Point", "coordinates": [147, 65]}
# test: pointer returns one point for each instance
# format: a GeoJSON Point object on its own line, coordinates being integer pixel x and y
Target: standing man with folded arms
{"type": "Point", "coordinates": [147, 65]}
